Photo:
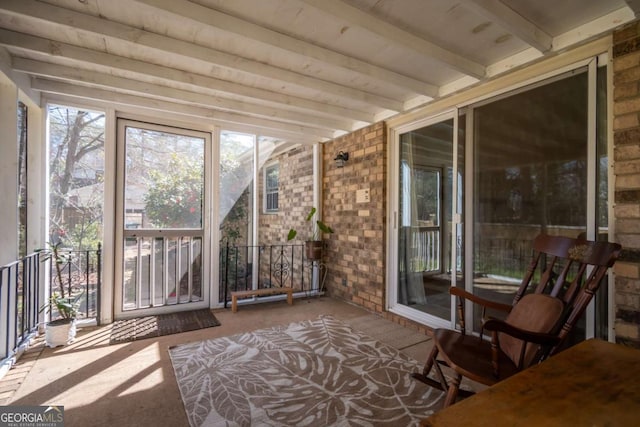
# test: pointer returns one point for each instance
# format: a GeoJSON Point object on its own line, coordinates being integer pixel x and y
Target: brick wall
{"type": "Point", "coordinates": [626, 125]}
{"type": "Point", "coordinates": [295, 196]}
{"type": "Point", "coordinates": [355, 254]}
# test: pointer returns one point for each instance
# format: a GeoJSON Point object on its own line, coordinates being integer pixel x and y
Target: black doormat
{"type": "Point", "coordinates": [165, 324]}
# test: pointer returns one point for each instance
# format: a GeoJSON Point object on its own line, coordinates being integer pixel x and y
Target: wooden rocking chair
{"type": "Point", "coordinates": [541, 317]}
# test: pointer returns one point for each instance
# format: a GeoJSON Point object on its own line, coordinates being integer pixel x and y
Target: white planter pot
{"type": "Point", "coordinates": [59, 333]}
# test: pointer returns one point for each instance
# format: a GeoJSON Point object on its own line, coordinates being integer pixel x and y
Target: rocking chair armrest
{"type": "Point", "coordinates": [497, 325]}
{"type": "Point", "coordinates": [459, 292]}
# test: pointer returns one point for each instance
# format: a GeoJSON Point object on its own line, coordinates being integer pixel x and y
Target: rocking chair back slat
{"type": "Point", "coordinates": [545, 278]}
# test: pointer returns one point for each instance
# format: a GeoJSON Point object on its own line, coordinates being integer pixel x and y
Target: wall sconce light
{"type": "Point", "coordinates": [341, 158]}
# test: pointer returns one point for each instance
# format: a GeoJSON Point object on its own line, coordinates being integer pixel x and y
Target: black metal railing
{"type": "Point", "coordinates": [22, 294]}
{"type": "Point", "coordinates": [20, 286]}
{"type": "Point", "coordinates": [81, 277]}
{"type": "Point", "coordinates": [276, 266]}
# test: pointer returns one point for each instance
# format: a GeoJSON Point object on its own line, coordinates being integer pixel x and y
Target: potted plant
{"type": "Point", "coordinates": [62, 329]}
{"type": "Point", "coordinates": [313, 245]}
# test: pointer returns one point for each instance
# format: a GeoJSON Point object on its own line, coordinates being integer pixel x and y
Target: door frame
{"type": "Point", "coordinates": [121, 124]}
{"type": "Point", "coordinates": [393, 182]}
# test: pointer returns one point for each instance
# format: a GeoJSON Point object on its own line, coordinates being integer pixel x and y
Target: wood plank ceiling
{"type": "Point", "coordinates": [297, 70]}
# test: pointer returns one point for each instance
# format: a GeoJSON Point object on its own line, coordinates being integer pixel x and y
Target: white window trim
{"type": "Point", "coordinates": [264, 188]}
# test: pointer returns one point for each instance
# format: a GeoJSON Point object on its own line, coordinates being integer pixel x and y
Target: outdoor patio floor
{"type": "Point", "coordinates": [133, 384]}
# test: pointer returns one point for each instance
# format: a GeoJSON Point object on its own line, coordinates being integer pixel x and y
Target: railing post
{"type": "Point", "coordinates": [302, 267]}
{"type": "Point", "coordinates": [270, 262]}
{"type": "Point", "coordinates": [20, 311]}
{"type": "Point", "coordinates": [86, 279]}
{"type": "Point", "coordinates": [99, 282]}
{"type": "Point", "coordinates": [226, 275]}
{"type": "Point", "coordinates": [14, 317]}
{"type": "Point", "coordinates": [4, 333]}
{"type": "Point", "coordinates": [246, 268]}
{"type": "Point", "coordinates": [292, 270]}
{"type": "Point", "coordinates": [37, 289]}
{"type": "Point", "coordinates": [69, 284]}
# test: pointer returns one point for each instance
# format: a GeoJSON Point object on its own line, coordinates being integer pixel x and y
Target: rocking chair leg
{"type": "Point", "coordinates": [430, 361]}
{"type": "Point", "coordinates": [452, 392]}
{"type": "Point", "coordinates": [428, 366]}
{"type": "Point", "coordinates": [443, 381]}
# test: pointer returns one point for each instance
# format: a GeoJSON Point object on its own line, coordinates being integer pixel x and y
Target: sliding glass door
{"type": "Point", "coordinates": [538, 168]}
{"type": "Point", "coordinates": [530, 177]}
{"type": "Point", "coordinates": [536, 162]}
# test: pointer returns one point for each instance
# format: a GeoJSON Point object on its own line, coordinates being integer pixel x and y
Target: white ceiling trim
{"type": "Point", "coordinates": [593, 28]}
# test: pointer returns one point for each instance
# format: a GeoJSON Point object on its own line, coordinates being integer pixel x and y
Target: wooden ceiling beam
{"type": "Point", "coordinates": [55, 87]}
{"type": "Point", "coordinates": [78, 55]}
{"type": "Point", "coordinates": [507, 18]}
{"type": "Point", "coordinates": [399, 36]}
{"type": "Point", "coordinates": [36, 12]}
{"type": "Point", "coordinates": [143, 89]}
{"type": "Point", "coordinates": [176, 119]}
{"type": "Point", "coordinates": [274, 39]}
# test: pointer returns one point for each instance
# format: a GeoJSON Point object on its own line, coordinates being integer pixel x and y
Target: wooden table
{"type": "Point", "coordinates": [594, 383]}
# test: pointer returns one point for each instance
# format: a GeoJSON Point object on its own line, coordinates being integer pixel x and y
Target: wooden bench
{"type": "Point", "coordinates": [258, 293]}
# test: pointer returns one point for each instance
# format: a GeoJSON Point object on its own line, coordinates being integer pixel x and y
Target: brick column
{"type": "Point", "coordinates": [356, 252]}
{"type": "Point", "coordinates": [626, 126]}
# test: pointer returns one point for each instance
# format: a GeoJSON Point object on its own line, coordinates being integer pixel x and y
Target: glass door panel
{"type": "Point", "coordinates": [162, 221]}
{"type": "Point", "coordinates": [425, 220]}
{"type": "Point", "coordinates": [530, 176]}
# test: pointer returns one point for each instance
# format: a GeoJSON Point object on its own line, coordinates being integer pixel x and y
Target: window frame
{"type": "Point", "coordinates": [269, 191]}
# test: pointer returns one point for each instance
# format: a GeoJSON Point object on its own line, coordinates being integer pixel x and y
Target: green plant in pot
{"type": "Point", "coordinates": [62, 329]}
{"type": "Point", "coordinates": [313, 245]}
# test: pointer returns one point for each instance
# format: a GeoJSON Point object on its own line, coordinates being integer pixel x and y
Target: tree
{"type": "Point", "coordinates": [236, 176]}
{"type": "Point", "coordinates": [76, 166]}
{"type": "Point", "coordinates": [175, 200]}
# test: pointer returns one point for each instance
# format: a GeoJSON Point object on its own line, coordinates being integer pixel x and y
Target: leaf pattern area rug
{"type": "Point", "coordinates": [314, 373]}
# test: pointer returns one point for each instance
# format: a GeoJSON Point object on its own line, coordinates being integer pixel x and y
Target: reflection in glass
{"type": "Point", "coordinates": [424, 236]}
{"type": "Point", "coordinates": [236, 187]}
{"type": "Point", "coordinates": [164, 180]}
{"type": "Point", "coordinates": [530, 177]}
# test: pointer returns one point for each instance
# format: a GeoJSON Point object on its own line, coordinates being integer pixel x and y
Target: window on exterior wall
{"type": "Point", "coordinates": [22, 180]}
{"type": "Point", "coordinates": [271, 184]}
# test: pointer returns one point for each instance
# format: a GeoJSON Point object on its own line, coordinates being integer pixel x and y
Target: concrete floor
{"type": "Point", "coordinates": [133, 384]}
